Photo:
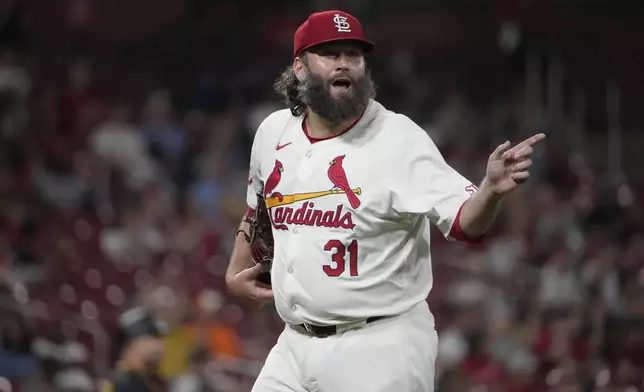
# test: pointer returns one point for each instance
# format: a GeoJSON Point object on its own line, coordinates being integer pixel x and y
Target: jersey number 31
{"type": "Point", "coordinates": [342, 254]}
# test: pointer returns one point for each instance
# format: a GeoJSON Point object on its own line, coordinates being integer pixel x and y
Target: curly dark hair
{"type": "Point", "coordinates": [286, 86]}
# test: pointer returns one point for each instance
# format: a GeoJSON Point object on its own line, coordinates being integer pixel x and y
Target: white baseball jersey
{"type": "Point", "coordinates": [351, 214]}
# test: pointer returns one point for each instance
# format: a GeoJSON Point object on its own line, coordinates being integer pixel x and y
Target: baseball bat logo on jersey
{"type": "Point", "coordinates": [307, 215]}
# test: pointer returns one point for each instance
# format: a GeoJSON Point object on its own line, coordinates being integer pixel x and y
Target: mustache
{"type": "Point", "coordinates": [312, 83]}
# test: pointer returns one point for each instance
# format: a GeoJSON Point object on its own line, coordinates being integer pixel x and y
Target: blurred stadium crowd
{"type": "Point", "coordinates": [123, 162]}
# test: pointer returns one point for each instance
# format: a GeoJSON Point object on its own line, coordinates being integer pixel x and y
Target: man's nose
{"type": "Point", "coordinates": [342, 62]}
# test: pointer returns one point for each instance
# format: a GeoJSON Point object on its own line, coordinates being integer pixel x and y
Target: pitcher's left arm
{"type": "Point", "coordinates": [507, 169]}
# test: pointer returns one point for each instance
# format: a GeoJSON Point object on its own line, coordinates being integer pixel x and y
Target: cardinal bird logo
{"type": "Point", "coordinates": [339, 179]}
{"type": "Point", "coordinates": [272, 181]}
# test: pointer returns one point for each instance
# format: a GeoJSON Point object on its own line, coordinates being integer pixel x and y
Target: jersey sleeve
{"type": "Point", "coordinates": [254, 175]}
{"type": "Point", "coordinates": [424, 184]}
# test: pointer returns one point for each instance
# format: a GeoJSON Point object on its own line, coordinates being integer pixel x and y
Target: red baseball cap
{"type": "Point", "coordinates": [329, 26]}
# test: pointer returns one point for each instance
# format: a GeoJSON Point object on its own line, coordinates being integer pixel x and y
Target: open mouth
{"type": "Point", "coordinates": [342, 83]}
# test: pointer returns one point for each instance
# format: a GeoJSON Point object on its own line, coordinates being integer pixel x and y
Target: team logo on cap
{"type": "Point", "coordinates": [341, 23]}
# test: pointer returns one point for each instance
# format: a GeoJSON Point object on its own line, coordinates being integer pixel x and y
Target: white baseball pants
{"type": "Point", "coordinates": [394, 354]}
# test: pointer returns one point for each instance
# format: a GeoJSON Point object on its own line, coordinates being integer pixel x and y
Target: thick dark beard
{"type": "Point", "coordinates": [315, 92]}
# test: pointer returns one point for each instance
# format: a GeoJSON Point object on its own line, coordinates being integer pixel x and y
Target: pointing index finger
{"type": "Point", "coordinates": [532, 140]}
{"type": "Point", "coordinates": [535, 139]}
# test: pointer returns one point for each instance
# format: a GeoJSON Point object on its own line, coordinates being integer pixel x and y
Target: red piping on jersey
{"type": "Point", "coordinates": [313, 140]}
{"type": "Point", "coordinates": [458, 234]}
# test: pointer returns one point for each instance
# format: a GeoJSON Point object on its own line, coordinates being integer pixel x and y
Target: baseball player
{"type": "Point", "coordinates": [348, 190]}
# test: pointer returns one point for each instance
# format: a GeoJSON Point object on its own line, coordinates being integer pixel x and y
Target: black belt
{"type": "Point", "coordinates": [329, 330]}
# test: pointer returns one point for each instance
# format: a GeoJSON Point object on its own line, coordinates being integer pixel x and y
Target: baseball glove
{"type": "Point", "coordinates": [260, 238]}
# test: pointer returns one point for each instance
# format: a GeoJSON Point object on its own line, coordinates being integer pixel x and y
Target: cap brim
{"type": "Point", "coordinates": [367, 46]}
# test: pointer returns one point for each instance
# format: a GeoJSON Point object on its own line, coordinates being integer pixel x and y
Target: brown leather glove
{"type": "Point", "coordinates": [260, 238]}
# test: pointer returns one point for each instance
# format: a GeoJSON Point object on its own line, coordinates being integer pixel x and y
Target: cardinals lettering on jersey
{"type": "Point", "coordinates": [282, 214]}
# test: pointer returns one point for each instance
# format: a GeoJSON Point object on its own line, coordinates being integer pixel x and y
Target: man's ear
{"type": "Point", "coordinates": [298, 67]}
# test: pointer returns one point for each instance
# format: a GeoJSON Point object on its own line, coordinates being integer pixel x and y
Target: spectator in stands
{"type": "Point", "coordinates": [56, 178]}
{"type": "Point", "coordinates": [560, 286]}
{"type": "Point", "coordinates": [137, 242]}
{"type": "Point", "coordinates": [81, 104]}
{"type": "Point", "coordinates": [16, 358]}
{"type": "Point", "coordinates": [165, 136]}
{"type": "Point", "coordinates": [63, 365]}
{"type": "Point", "coordinates": [121, 146]}
{"type": "Point", "coordinates": [15, 87]}
{"type": "Point", "coordinates": [137, 368]}
{"type": "Point", "coordinates": [211, 328]}
{"type": "Point", "coordinates": [142, 352]}
{"type": "Point", "coordinates": [197, 379]}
